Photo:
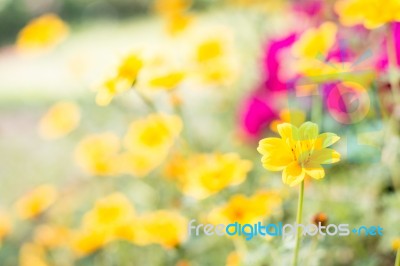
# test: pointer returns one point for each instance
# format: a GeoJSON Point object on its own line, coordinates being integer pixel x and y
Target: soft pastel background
{"type": "Point", "coordinates": [95, 171]}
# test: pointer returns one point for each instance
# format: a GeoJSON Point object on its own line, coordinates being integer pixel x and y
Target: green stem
{"type": "Point", "coordinates": [150, 105]}
{"type": "Point", "coordinates": [316, 109]}
{"type": "Point", "coordinates": [397, 263]}
{"type": "Point", "coordinates": [298, 221]}
{"type": "Point", "coordinates": [393, 75]}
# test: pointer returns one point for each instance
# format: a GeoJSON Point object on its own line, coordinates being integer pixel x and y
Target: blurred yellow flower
{"type": "Point", "coordinates": [233, 259]}
{"type": "Point", "coordinates": [292, 116]}
{"type": "Point", "coordinates": [5, 225]}
{"type": "Point", "coordinates": [316, 41]}
{"type": "Point", "coordinates": [148, 141]}
{"type": "Point", "coordinates": [370, 13]}
{"type": "Point", "coordinates": [125, 76]}
{"type": "Point", "coordinates": [396, 244]}
{"type": "Point", "coordinates": [41, 33]}
{"type": "Point", "coordinates": [161, 72]}
{"type": "Point", "coordinates": [245, 210]}
{"type": "Point", "coordinates": [97, 154]}
{"type": "Point", "coordinates": [87, 241]}
{"type": "Point", "coordinates": [299, 152]}
{"type": "Point", "coordinates": [214, 59]}
{"type": "Point", "coordinates": [36, 201]}
{"type": "Point", "coordinates": [51, 236]}
{"type": "Point", "coordinates": [60, 119]}
{"type": "Point", "coordinates": [202, 175]}
{"type": "Point", "coordinates": [109, 213]}
{"type": "Point", "coordinates": [163, 227]}
{"type": "Point", "coordinates": [174, 13]}
{"type": "Point", "coordinates": [32, 255]}
{"type": "Point", "coordinates": [312, 48]}
{"type": "Point", "coordinates": [112, 217]}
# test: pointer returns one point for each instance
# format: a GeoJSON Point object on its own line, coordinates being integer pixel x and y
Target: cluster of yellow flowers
{"type": "Point", "coordinates": [211, 61]}
{"type": "Point", "coordinates": [202, 175]}
{"type": "Point", "coordinates": [113, 218]}
{"type": "Point", "coordinates": [147, 143]}
{"type": "Point", "coordinates": [370, 13]}
{"type": "Point", "coordinates": [243, 210]}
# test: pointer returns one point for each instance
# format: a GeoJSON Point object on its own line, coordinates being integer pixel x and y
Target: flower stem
{"type": "Point", "coordinates": [397, 263]}
{"type": "Point", "coordinates": [393, 75]}
{"type": "Point", "coordinates": [298, 221]}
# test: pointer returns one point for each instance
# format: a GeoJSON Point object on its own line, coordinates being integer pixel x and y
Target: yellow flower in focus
{"type": "Point", "coordinates": [163, 227]}
{"type": "Point", "coordinates": [5, 225]}
{"type": "Point", "coordinates": [316, 41]}
{"type": "Point", "coordinates": [36, 201]}
{"type": "Point", "coordinates": [299, 152]}
{"type": "Point", "coordinates": [32, 255]}
{"type": "Point", "coordinates": [292, 116]}
{"type": "Point", "coordinates": [148, 142]}
{"type": "Point", "coordinates": [59, 120]}
{"type": "Point", "coordinates": [50, 236]}
{"type": "Point", "coordinates": [370, 13]}
{"type": "Point", "coordinates": [97, 154]}
{"type": "Point", "coordinates": [245, 210]}
{"type": "Point", "coordinates": [396, 244]}
{"type": "Point", "coordinates": [42, 33]}
{"type": "Point", "coordinates": [202, 175]}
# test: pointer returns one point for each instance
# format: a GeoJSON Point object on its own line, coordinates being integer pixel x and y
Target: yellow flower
{"type": "Point", "coordinates": [244, 209]}
{"type": "Point", "coordinates": [293, 116]}
{"type": "Point", "coordinates": [396, 244]}
{"type": "Point", "coordinates": [97, 154]}
{"type": "Point", "coordinates": [87, 241]}
{"type": "Point", "coordinates": [59, 120]}
{"type": "Point", "coordinates": [233, 259]}
{"type": "Point", "coordinates": [112, 217]}
{"type": "Point", "coordinates": [316, 41]}
{"type": "Point", "coordinates": [125, 76]}
{"type": "Point", "coordinates": [299, 152]}
{"type": "Point", "coordinates": [311, 50]}
{"type": "Point", "coordinates": [161, 72]}
{"type": "Point", "coordinates": [5, 225]}
{"type": "Point", "coordinates": [130, 66]}
{"type": "Point", "coordinates": [167, 228]}
{"type": "Point", "coordinates": [171, 7]}
{"type": "Point", "coordinates": [36, 201]}
{"type": "Point", "coordinates": [214, 60]}
{"type": "Point", "coordinates": [50, 236]}
{"type": "Point", "coordinates": [148, 142]}
{"type": "Point", "coordinates": [109, 213]}
{"type": "Point", "coordinates": [202, 175]}
{"type": "Point", "coordinates": [32, 255]}
{"type": "Point", "coordinates": [370, 13]}
{"type": "Point", "coordinates": [41, 33]}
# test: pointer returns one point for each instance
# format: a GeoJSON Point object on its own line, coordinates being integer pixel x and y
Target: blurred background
{"type": "Point", "coordinates": [122, 120]}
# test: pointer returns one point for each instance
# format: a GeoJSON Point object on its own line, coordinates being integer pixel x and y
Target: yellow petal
{"type": "Point", "coordinates": [276, 154]}
{"type": "Point", "coordinates": [293, 174]}
{"type": "Point", "coordinates": [325, 156]}
{"type": "Point", "coordinates": [315, 170]}
{"type": "Point", "coordinates": [308, 131]}
{"type": "Point", "coordinates": [326, 139]}
{"type": "Point", "coordinates": [288, 131]}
